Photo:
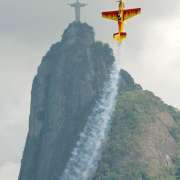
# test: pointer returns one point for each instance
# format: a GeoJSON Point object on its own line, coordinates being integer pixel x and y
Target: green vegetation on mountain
{"type": "Point", "coordinates": [143, 142]}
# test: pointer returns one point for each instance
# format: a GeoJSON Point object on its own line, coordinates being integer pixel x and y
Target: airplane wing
{"type": "Point", "coordinates": [113, 15]}
{"type": "Point", "coordinates": [128, 13]}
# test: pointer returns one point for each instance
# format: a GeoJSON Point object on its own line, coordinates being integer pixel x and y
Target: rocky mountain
{"type": "Point", "coordinates": [143, 139]}
{"type": "Point", "coordinates": [69, 81]}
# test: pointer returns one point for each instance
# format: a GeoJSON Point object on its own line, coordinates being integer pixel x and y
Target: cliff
{"type": "Point", "coordinates": [69, 81]}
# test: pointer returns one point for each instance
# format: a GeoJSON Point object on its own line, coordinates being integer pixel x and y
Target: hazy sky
{"type": "Point", "coordinates": [151, 54]}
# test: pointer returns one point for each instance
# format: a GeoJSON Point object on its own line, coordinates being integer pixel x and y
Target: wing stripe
{"type": "Point", "coordinates": [113, 15]}
{"type": "Point", "coordinates": [128, 13]}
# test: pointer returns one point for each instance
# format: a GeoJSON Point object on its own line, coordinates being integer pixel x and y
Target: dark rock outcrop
{"type": "Point", "coordinates": [69, 81]}
{"type": "Point", "coordinates": [126, 82]}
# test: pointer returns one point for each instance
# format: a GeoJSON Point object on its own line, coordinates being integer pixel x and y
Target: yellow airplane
{"type": "Point", "coordinates": [121, 16]}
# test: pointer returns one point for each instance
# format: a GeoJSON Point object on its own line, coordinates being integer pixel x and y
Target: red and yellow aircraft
{"type": "Point", "coordinates": [121, 16]}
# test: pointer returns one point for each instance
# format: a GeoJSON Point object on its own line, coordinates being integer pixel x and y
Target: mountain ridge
{"type": "Point", "coordinates": [143, 142]}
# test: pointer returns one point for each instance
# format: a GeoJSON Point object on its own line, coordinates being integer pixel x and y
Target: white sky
{"type": "Point", "coordinates": [151, 54]}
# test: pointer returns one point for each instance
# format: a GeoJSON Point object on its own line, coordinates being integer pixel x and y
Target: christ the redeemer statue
{"type": "Point", "coordinates": [77, 6]}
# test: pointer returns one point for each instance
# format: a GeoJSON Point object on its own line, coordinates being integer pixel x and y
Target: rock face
{"type": "Point", "coordinates": [69, 81]}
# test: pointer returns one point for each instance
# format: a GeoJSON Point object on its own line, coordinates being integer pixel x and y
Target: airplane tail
{"type": "Point", "coordinates": [120, 36]}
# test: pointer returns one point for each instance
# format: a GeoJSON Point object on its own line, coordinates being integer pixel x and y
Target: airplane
{"type": "Point", "coordinates": [121, 15]}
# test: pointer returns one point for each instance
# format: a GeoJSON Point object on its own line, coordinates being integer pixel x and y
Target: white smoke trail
{"type": "Point", "coordinates": [85, 156]}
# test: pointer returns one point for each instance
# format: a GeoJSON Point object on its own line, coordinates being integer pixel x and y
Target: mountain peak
{"type": "Point", "coordinates": [127, 82]}
{"type": "Point", "coordinates": [78, 32]}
